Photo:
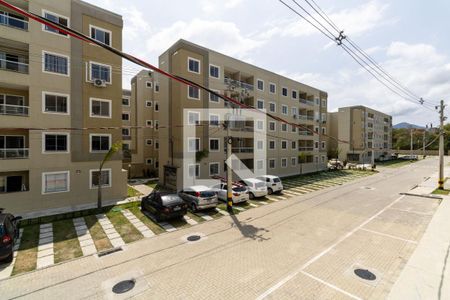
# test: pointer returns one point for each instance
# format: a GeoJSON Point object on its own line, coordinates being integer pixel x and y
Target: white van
{"type": "Point", "coordinates": [256, 188]}
{"type": "Point", "coordinates": [273, 183]}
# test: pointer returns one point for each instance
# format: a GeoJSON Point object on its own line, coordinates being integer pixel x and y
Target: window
{"type": "Point", "coordinates": [214, 71]}
{"type": "Point", "coordinates": [156, 144]}
{"type": "Point", "coordinates": [271, 163]}
{"type": "Point", "coordinates": [125, 117]}
{"type": "Point", "coordinates": [316, 129]}
{"type": "Point", "coordinates": [125, 101]}
{"type": "Point", "coordinates": [193, 118]}
{"type": "Point", "coordinates": [260, 145]}
{"type": "Point", "coordinates": [149, 142]}
{"type": "Point", "coordinates": [149, 123]}
{"type": "Point", "coordinates": [294, 145]}
{"type": "Point", "coordinates": [56, 63]}
{"type": "Point", "coordinates": [284, 109]}
{"type": "Point", "coordinates": [283, 127]}
{"type": "Point", "coordinates": [259, 125]}
{"type": "Point", "coordinates": [214, 120]}
{"type": "Point", "coordinates": [193, 65]}
{"type": "Point", "coordinates": [194, 170]}
{"type": "Point", "coordinates": [57, 19]}
{"type": "Point", "coordinates": [260, 84]}
{"type": "Point", "coordinates": [323, 159]}
{"type": "Point", "coordinates": [294, 111]}
{"type": "Point", "coordinates": [272, 88]}
{"type": "Point", "coordinates": [193, 93]}
{"type": "Point", "coordinates": [126, 146]}
{"type": "Point", "coordinates": [55, 103]}
{"type": "Point", "coordinates": [214, 145]}
{"type": "Point", "coordinates": [284, 91]}
{"type": "Point", "coordinates": [100, 142]}
{"type": "Point", "coordinates": [272, 125]}
{"type": "Point", "coordinates": [284, 162]}
{"type": "Point", "coordinates": [260, 164]}
{"type": "Point", "coordinates": [293, 128]}
{"type": "Point", "coordinates": [148, 84]}
{"type": "Point", "coordinates": [104, 178]}
{"type": "Point", "coordinates": [271, 144]}
{"type": "Point", "coordinates": [55, 182]}
{"type": "Point", "coordinates": [324, 130]}
{"type": "Point", "coordinates": [126, 131]}
{"type": "Point", "coordinates": [294, 94]}
{"type": "Point", "coordinates": [156, 107]}
{"type": "Point", "coordinates": [293, 161]}
{"type": "Point", "coordinates": [156, 87]}
{"type": "Point", "coordinates": [214, 98]}
{"type": "Point", "coordinates": [148, 103]}
{"type": "Point", "coordinates": [260, 104]}
{"type": "Point", "coordinates": [316, 145]}
{"type": "Point", "coordinates": [156, 125]}
{"type": "Point", "coordinates": [100, 108]}
{"type": "Point", "coordinates": [100, 71]}
{"type": "Point", "coordinates": [55, 142]}
{"type": "Point", "coordinates": [100, 34]}
{"type": "Point", "coordinates": [193, 144]}
{"type": "Point", "coordinates": [272, 107]}
{"type": "Point", "coordinates": [323, 117]}
{"type": "Point", "coordinates": [324, 102]}
{"type": "Point", "coordinates": [149, 161]}
{"type": "Point", "coordinates": [284, 145]}
{"type": "Point", "coordinates": [323, 145]}
{"type": "Point", "coordinates": [157, 164]}
{"type": "Point", "coordinates": [214, 168]}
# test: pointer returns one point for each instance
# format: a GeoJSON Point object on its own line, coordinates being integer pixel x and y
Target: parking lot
{"type": "Point", "coordinates": [45, 244]}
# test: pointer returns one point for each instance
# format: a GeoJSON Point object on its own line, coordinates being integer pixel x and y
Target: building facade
{"type": "Point", "coordinates": [140, 121]}
{"type": "Point", "coordinates": [290, 150]}
{"type": "Point", "coordinates": [57, 95]}
{"type": "Point", "coordinates": [358, 132]}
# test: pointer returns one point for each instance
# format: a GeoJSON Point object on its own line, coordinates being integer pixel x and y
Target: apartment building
{"type": "Point", "coordinates": [358, 132]}
{"type": "Point", "coordinates": [140, 121]}
{"type": "Point", "coordinates": [56, 96]}
{"type": "Point", "coordinates": [290, 150]}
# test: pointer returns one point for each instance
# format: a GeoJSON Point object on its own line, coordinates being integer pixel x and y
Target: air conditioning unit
{"type": "Point", "coordinates": [99, 83]}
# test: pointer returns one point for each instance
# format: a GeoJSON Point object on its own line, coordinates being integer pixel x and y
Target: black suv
{"type": "Point", "coordinates": [164, 205]}
{"type": "Point", "coordinates": [9, 233]}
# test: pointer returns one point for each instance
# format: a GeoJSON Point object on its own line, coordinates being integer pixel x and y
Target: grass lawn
{"type": "Point", "coordinates": [101, 241]}
{"type": "Point", "coordinates": [27, 255]}
{"type": "Point", "coordinates": [65, 241]}
{"type": "Point", "coordinates": [127, 231]}
{"type": "Point", "coordinates": [223, 206]}
{"type": "Point", "coordinates": [136, 210]}
{"type": "Point", "coordinates": [441, 192]}
{"type": "Point", "coordinates": [132, 192]}
{"type": "Point", "coordinates": [195, 217]}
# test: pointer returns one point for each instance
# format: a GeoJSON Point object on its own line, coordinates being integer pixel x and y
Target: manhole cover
{"type": "Point", "coordinates": [123, 286]}
{"type": "Point", "coordinates": [365, 274]}
{"type": "Point", "coordinates": [193, 238]}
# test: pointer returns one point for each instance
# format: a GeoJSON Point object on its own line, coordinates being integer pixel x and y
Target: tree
{"type": "Point", "coordinates": [114, 148]}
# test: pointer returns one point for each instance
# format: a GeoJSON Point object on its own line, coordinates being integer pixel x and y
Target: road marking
{"type": "Point", "coordinates": [318, 256]}
{"type": "Point", "coordinates": [331, 286]}
{"type": "Point", "coordinates": [389, 235]}
{"type": "Point", "coordinates": [411, 211]}
{"type": "Point", "coordinates": [288, 192]}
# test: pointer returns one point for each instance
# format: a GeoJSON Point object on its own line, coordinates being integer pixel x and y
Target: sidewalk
{"type": "Point", "coordinates": [427, 273]}
{"type": "Point", "coordinates": [143, 189]}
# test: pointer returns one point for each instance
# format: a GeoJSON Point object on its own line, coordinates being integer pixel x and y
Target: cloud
{"type": "Point", "coordinates": [221, 36]}
{"type": "Point", "coordinates": [212, 6]}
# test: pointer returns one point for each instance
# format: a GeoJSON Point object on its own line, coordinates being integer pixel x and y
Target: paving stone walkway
{"type": "Point", "coordinates": [204, 216]}
{"type": "Point", "coordinates": [45, 255]}
{"type": "Point", "coordinates": [84, 237]}
{"type": "Point", "coordinates": [189, 220]}
{"type": "Point", "coordinates": [223, 212]}
{"type": "Point", "coordinates": [113, 236]}
{"type": "Point", "coordinates": [6, 269]}
{"type": "Point", "coordinates": [167, 227]}
{"type": "Point", "coordinates": [143, 229]}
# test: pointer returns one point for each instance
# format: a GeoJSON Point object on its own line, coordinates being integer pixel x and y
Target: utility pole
{"type": "Point", "coordinates": [441, 146]}
{"type": "Point", "coordinates": [229, 170]}
{"type": "Point", "coordinates": [424, 139]}
{"type": "Point", "coordinates": [411, 143]}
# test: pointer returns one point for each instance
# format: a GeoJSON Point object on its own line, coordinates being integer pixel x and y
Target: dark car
{"type": "Point", "coordinates": [9, 233]}
{"type": "Point", "coordinates": [164, 206]}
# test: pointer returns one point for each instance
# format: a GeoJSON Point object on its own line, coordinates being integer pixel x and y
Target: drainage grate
{"type": "Point", "coordinates": [193, 238]}
{"type": "Point", "coordinates": [110, 251]}
{"type": "Point", "coordinates": [124, 286]}
{"type": "Point", "coordinates": [365, 274]}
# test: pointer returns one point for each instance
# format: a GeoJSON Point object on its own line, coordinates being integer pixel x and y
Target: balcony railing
{"type": "Point", "coordinates": [238, 83]}
{"type": "Point", "coordinates": [242, 149]}
{"type": "Point", "coordinates": [307, 102]}
{"type": "Point", "coordinates": [13, 153]}
{"type": "Point", "coordinates": [306, 133]}
{"type": "Point", "coordinates": [15, 66]}
{"type": "Point", "coordinates": [306, 148]}
{"type": "Point", "coordinates": [14, 110]}
{"type": "Point", "coordinates": [9, 21]}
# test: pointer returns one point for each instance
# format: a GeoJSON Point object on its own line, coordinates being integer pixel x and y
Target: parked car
{"type": "Point", "coordinates": [256, 187]}
{"type": "Point", "coordinates": [164, 206]}
{"type": "Point", "coordinates": [9, 233]}
{"type": "Point", "coordinates": [273, 183]}
{"type": "Point", "coordinates": [240, 193]}
{"type": "Point", "coordinates": [335, 164]}
{"type": "Point", "coordinates": [199, 197]}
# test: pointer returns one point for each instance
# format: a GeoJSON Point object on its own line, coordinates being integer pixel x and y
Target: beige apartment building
{"type": "Point", "coordinates": [358, 132]}
{"type": "Point", "coordinates": [57, 95]}
{"type": "Point", "coordinates": [140, 121]}
{"type": "Point", "coordinates": [290, 150]}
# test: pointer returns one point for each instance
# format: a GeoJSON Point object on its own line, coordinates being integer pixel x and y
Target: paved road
{"type": "Point", "coordinates": [305, 247]}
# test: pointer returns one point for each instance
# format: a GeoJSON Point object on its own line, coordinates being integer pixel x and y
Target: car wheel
{"type": "Point", "coordinates": [251, 196]}
{"type": "Point", "coordinates": [9, 258]}
{"type": "Point", "coordinates": [193, 207]}
{"type": "Point", "coordinates": [270, 191]}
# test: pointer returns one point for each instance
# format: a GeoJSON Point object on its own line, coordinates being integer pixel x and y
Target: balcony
{"type": "Point", "coordinates": [242, 149]}
{"type": "Point", "coordinates": [13, 62]}
{"type": "Point", "coordinates": [13, 21]}
{"type": "Point", "coordinates": [13, 110]}
{"type": "Point", "coordinates": [305, 133]}
{"type": "Point", "coordinates": [237, 83]}
{"type": "Point", "coordinates": [307, 102]}
{"type": "Point", "coordinates": [305, 148]}
{"type": "Point", "coordinates": [14, 182]}
{"type": "Point", "coordinates": [13, 146]}
{"type": "Point", "coordinates": [14, 153]}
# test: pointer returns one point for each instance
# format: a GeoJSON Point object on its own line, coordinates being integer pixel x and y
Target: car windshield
{"type": "Point", "coordinates": [276, 180]}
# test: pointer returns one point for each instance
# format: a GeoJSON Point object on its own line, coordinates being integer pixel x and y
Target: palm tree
{"type": "Point", "coordinates": [114, 148]}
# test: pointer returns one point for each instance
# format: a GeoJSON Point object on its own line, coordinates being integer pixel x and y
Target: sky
{"type": "Point", "coordinates": [408, 38]}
